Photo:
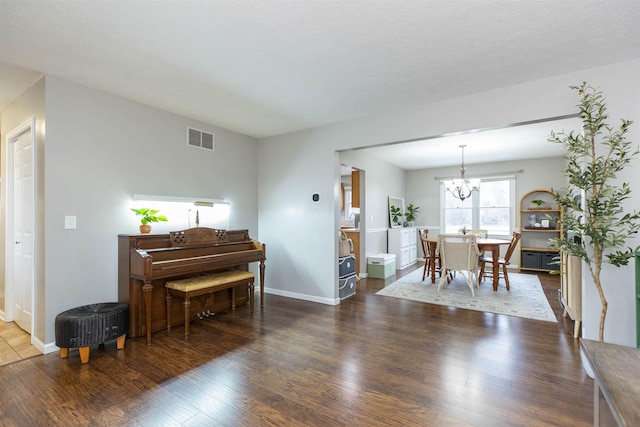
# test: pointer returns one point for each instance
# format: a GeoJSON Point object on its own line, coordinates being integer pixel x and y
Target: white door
{"type": "Point", "coordinates": [23, 230]}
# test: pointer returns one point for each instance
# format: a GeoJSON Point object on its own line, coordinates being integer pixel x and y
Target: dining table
{"type": "Point", "coordinates": [484, 244]}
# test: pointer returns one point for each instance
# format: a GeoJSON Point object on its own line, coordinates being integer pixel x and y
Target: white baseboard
{"type": "Point", "coordinates": [303, 297]}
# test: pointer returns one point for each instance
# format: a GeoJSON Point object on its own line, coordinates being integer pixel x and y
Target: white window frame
{"type": "Point", "coordinates": [475, 199]}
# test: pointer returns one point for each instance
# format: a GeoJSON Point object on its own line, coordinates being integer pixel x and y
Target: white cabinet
{"type": "Point", "coordinates": [403, 242]}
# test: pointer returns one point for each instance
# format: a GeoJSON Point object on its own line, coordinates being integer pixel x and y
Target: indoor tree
{"type": "Point", "coordinates": [595, 156]}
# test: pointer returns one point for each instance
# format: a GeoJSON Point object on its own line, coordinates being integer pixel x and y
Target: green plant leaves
{"type": "Point", "coordinates": [149, 215]}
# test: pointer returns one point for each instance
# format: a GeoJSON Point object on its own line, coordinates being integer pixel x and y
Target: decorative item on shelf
{"type": "Point", "coordinates": [463, 230]}
{"type": "Point", "coordinates": [410, 215]}
{"type": "Point", "coordinates": [538, 203]}
{"type": "Point", "coordinates": [532, 219]}
{"type": "Point", "coordinates": [148, 215]}
{"type": "Point", "coordinates": [601, 213]}
{"type": "Point", "coordinates": [462, 188]}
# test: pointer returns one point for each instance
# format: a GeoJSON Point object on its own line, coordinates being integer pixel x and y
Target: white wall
{"type": "Point", "coordinates": [294, 165]}
{"type": "Point", "coordinates": [102, 149]}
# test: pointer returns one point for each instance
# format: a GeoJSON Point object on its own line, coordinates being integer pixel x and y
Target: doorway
{"type": "Point", "coordinates": [20, 226]}
{"type": "Point", "coordinates": [351, 209]}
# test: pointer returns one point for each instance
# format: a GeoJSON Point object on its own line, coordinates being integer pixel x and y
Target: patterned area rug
{"type": "Point", "coordinates": [525, 299]}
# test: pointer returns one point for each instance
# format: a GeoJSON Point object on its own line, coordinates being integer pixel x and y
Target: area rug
{"type": "Point", "coordinates": [525, 299]}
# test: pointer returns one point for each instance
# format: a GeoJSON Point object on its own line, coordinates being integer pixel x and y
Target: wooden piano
{"type": "Point", "coordinates": [147, 261]}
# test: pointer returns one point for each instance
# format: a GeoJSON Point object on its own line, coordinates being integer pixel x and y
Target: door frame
{"type": "Point", "coordinates": [12, 136]}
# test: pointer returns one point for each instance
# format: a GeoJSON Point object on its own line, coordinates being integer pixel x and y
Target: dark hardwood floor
{"type": "Point", "coordinates": [370, 361]}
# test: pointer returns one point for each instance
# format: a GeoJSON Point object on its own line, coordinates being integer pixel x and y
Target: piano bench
{"type": "Point", "coordinates": [208, 284]}
{"type": "Point", "coordinates": [93, 324]}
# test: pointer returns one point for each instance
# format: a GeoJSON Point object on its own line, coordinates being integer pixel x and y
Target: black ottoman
{"type": "Point", "coordinates": [93, 324]}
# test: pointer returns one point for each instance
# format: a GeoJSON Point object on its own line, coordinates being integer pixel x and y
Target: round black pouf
{"type": "Point", "coordinates": [91, 324]}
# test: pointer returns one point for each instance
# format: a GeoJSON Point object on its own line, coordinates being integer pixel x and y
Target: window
{"type": "Point", "coordinates": [492, 208]}
{"type": "Point", "coordinates": [349, 210]}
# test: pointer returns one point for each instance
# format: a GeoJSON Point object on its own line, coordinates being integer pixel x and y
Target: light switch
{"type": "Point", "coordinates": [70, 222]}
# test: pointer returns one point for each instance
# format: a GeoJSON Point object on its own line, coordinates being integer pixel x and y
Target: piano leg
{"type": "Point", "coordinates": [147, 290]}
{"type": "Point", "coordinates": [261, 284]}
{"type": "Point", "coordinates": [251, 287]}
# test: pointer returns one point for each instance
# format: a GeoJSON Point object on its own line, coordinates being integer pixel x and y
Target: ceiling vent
{"type": "Point", "coordinates": [200, 139]}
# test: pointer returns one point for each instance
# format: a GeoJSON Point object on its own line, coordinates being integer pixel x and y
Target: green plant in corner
{"type": "Point", "coordinates": [410, 215]}
{"type": "Point", "coordinates": [595, 155]}
{"type": "Point", "coordinates": [149, 215]}
{"type": "Point", "coordinates": [395, 214]}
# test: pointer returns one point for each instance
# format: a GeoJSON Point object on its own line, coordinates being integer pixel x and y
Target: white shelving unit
{"type": "Point", "coordinates": [403, 242]}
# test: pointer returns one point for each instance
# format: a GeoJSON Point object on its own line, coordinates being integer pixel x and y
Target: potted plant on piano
{"type": "Point", "coordinates": [147, 216]}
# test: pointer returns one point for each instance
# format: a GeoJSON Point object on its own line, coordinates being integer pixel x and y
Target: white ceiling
{"type": "Point", "coordinates": [268, 67]}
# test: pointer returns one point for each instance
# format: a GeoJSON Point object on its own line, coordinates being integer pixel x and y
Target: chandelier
{"type": "Point", "coordinates": [462, 188]}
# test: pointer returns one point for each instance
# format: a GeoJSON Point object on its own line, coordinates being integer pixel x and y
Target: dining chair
{"type": "Point", "coordinates": [424, 234]}
{"type": "Point", "coordinates": [459, 252]}
{"type": "Point", "coordinates": [487, 271]}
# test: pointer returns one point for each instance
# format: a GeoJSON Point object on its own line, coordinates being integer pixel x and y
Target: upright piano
{"type": "Point", "coordinates": [147, 261]}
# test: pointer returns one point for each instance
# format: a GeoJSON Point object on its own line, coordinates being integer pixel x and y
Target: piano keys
{"type": "Point", "coordinates": [147, 261]}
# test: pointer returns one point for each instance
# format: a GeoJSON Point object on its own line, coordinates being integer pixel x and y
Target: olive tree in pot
{"type": "Point", "coordinates": [596, 154]}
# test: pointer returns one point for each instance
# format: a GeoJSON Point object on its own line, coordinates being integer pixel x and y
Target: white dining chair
{"type": "Point", "coordinates": [459, 252]}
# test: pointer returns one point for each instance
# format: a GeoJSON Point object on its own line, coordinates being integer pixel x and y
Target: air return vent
{"type": "Point", "coordinates": [200, 139]}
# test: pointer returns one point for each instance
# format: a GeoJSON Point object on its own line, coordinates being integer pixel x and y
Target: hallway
{"type": "Point", "coordinates": [15, 344]}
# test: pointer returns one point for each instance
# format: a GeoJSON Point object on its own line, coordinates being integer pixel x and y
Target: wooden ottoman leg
{"type": "Point", "coordinates": [120, 341]}
{"type": "Point", "coordinates": [84, 354]}
{"type": "Point", "coordinates": [64, 353]}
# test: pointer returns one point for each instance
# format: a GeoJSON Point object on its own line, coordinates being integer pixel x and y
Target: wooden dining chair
{"type": "Point", "coordinates": [424, 234]}
{"type": "Point", "coordinates": [487, 271]}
